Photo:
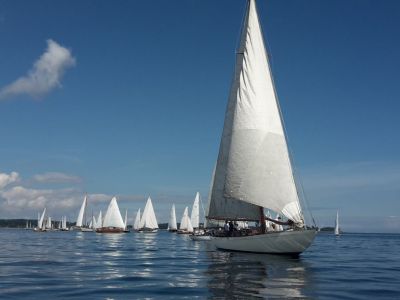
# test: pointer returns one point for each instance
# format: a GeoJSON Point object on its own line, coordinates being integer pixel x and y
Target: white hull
{"type": "Point", "coordinates": [284, 242]}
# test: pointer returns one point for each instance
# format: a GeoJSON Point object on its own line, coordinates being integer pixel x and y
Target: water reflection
{"type": "Point", "coordinates": [244, 275]}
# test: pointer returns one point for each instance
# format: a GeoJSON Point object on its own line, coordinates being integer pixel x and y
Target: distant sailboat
{"type": "Point", "coordinates": [186, 225]}
{"type": "Point", "coordinates": [99, 221]}
{"type": "Point", "coordinates": [64, 224]}
{"type": "Point", "coordinates": [337, 232]}
{"type": "Point", "coordinates": [112, 222]}
{"type": "Point", "coordinates": [136, 224]}
{"type": "Point", "coordinates": [195, 215]}
{"type": "Point", "coordinates": [40, 221]}
{"type": "Point", "coordinates": [148, 222]}
{"type": "Point", "coordinates": [254, 169]}
{"type": "Point", "coordinates": [79, 221]}
{"type": "Point", "coordinates": [172, 226]}
{"type": "Point", "coordinates": [49, 224]}
{"type": "Point", "coordinates": [126, 221]}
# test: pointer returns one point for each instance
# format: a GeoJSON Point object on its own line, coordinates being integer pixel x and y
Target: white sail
{"type": "Point", "coordinates": [48, 225]}
{"type": "Point", "coordinates": [254, 165]}
{"type": "Point", "coordinates": [337, 223]}
{"type": "Point", "coordinates": [185, 220]}
{"type": "Point", "coordinates": [172, 219]}
{"type": "Point", "coordinates": [136, 224]}
{"type": "Point", "coordinates": [40, 222]}
{"type": "Point", "coordinates": [195, 215]}
{"type": "Point", "coordinates": [64, 223]}
{"type": "Point", "coordinates": [189, 225]}
{"type": "Point", "coordinates": [113, 216]}
{"type": "Point", "coordinates": [126, 219]}
{"type": "Point", "coordinates": [79, 220]}
{"type": "Point", "coordinates": [148, 219]}
{"type": "Point", "coordinates": [99, 220]}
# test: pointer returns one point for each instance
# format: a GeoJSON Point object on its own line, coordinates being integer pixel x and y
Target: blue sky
{"type": "Point", "coordinates": [136, 105]}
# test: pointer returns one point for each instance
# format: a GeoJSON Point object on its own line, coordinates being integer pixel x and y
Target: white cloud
{"type": "Point", "coordinates": [6, 179]}
{"type": "Point", "coordinates": [45, 75]}
{"type": "Point", "coordinates": [56, 177]}
{"type": "Point", "coordinates": [20, 201]}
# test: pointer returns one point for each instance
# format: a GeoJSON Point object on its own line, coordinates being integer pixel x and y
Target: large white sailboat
{"type": "Point", "coordinates": [253, 169]}
{"type": "Point", "coordinates": [148, 222]}
{"type": "Point", "coordinates": [172, 226]}
{"type": "Point", "coordinates": [337, 232]}
{"type": "Point", "coordinates": [113, 222]}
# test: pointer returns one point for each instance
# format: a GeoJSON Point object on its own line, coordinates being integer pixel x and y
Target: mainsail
{"type": "Point", "coordinates": [148, 219]}
{"type": "Point", "coordinates": [79, 220]}
{"type": "Point", "coordinates": [172, 219]}
{"type": "Point", "coordinates": [113, 216]}
{"type": "Point", "coordinates": [253, 168]}
{"type": "Point", "coordinates": [195, 215]}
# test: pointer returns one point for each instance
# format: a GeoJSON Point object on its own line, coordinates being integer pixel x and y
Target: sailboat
{"type": "Point", "coordinates": [337, 232]}
{"type": "Point", "coordinates": [136, 224]}
{"type": "Point", "coordinates": [172, 226]}
{"type": "Point", "coordinates": [148, 222]}
{"type": "Point", "coordinates": [186, 225]}
{"type": "Point", "coordinates": [64, 224]}
{"type": "Point", "coordinates": [112, 222]}
{"type": "Point", "coordinates": [195, 215]}
{"type": "Point", "coordinates": [81, 220]}
{"type": "Point", "coordinates": [126, 221]}
{"type": "Point", "coordinates": [40, 221]}
{"type": "Point", "coordinates": [99, 221]}
{"type": "Point", "coordinates": [253, 169]}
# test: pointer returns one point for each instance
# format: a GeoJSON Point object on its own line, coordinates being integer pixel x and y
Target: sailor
{"type": "Point", "coordinates": [226, 227]}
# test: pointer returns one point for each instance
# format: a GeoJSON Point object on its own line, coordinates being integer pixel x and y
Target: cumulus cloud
{"type": "Point", "coordinates": [19, 201]}
{"type": "Point", "coordinates": [45, 75]}
{"type": "Point", "coordinates": [6, 179]}
{"type": "Point", "coordinates": [56, 177]}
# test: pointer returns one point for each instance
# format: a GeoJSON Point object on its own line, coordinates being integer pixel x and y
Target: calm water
{"type": "Point", "coordinates": [75, 265]}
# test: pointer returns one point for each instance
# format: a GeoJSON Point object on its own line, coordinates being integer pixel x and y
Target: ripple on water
{"type": "Point", "coordinates": [75, 265]}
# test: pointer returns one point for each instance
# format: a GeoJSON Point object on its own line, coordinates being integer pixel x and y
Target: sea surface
{"type": "Point", "coordinates": [82, 265]}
